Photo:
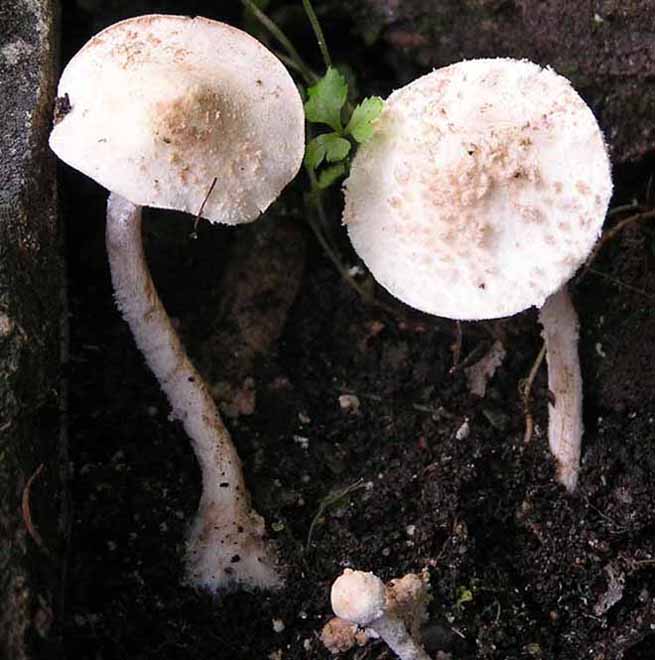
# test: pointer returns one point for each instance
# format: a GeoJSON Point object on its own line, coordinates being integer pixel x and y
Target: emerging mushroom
{"type": "Point", "coordinates": [157, 108]}
{"type": "Point", "coordinates": [360, 598]}
{"type": "Point", "coordinates": [483, 188]}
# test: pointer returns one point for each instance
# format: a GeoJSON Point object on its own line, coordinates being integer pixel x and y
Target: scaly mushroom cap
{"type": "Point", "coordinates": [358, 597]}
{"type": "Point", "coordinates": [161, 105]}
{"type": "Point", "coordinates": [483, 188]}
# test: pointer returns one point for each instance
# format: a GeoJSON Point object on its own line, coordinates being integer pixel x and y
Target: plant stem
{"type": "Point", "coordinates": [308, 75]}
{"type": "Point", "coordinates": [317, 202]}
{"type": "Point", "coordinates": [611, 233]}
{"type": "Point", "coordinates": [525, 391]}
{"type": "Point", "coordinates": [318, 31]}
{"type": "Point", "coordinates": [292, 64]}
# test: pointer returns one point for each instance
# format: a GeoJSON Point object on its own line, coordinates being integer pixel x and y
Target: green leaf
{"type": "Point", "coordinates": [328, 146]}
{"type": "Point", "coordinates": [314, 153]}
{"type": "Point", "coordinates": [330, 174]}
{"type": "Point", "coordinates": [464, 595]}
{"type": "Point", "coordinates": [364, 115]}
{"type": "Point", "coordinates": [337, 147]}
{"type": "Point", "coordinates": [326, 98]}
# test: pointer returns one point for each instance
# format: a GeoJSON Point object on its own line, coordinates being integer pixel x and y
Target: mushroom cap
{"type": "Point", "coordinates": [483, 188]}
{"type": "Point", "coordinates": [358, 597]}
{"type": "Point", "coordinates": [161, 105]}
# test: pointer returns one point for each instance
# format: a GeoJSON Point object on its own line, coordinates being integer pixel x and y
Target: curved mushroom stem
{"type": "Point", "coordinates": [560, 323]}
{"type": "Point", "coordinates": [225, 546]}
{"type": "Point", "coordinates": [393, 631]}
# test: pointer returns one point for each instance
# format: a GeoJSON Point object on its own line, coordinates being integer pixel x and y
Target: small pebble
{"type": "Point", "coordinates": [463, 431]}
{"type": "Point", "coordinates": [302, 441]}
{"type": "Point", "coordinates": [355, 270]}
{"type": "Point", "coordinates": [349, 403]}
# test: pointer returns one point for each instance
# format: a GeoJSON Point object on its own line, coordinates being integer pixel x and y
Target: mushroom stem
{"type": "Point", "coordinates": [225, 545]}
{"type": "Point", "coordinates": [393, 631]}
{"type": "Point", "coordinates": [560, 332]}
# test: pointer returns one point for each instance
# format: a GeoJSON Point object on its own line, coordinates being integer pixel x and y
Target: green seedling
{"type": "Point", "coordinates": [326, 106]}
{"type": "Point", "coordinates": [334, 129]}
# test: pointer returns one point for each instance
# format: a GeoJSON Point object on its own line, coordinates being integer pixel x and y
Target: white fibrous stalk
{"type": "Point", "coordinates": [226, 544]}
{"type": "Point", "coordinates": [560, 332]}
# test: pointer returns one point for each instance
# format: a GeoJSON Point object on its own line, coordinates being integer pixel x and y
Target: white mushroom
{"type": "Point", "coordinates": [158, 107]}
{"type": "Point", "coordinates": [483, 188]}
{"type": "Point", "coordinates": [359, 597]}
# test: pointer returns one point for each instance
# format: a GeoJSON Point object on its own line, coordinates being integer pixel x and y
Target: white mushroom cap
{"type": "Point", "coordinates": [358, 597]}
{"type": "Point", "coordinates": [162, 105]}
{"type": "Point", "coordinates": [483, 188]}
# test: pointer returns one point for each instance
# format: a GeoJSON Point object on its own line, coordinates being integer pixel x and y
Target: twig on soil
{"type": "Point", "coordinates": [611, 233]}
{"type": "Point", "coordinates": [471, 357]}
{"type": "Point", "coordinates": [194, 233]}
{"type": "Point", "coordinates": [608, 236]}
{"type": "Point", "coordinates": [614, 527]}
{"type": "Point", "coordinates": [649, 191]}
{"type": "Point", "coordinates": [27, 513]}
{"type": "Point", "coordinates": [456, 347]}
{"type": "Point", "coordinates": [361, 395]}
{"type": "Point", "coordinates": [624, 208]}
{"type": "Point", "coordinates": [620, 284]}
{"type": "Point", "coordinates": [525, 388]}
{"type": "Point", "coordinates": [419, 407]}
{"type": "Point", "coordinates": [330, 499]}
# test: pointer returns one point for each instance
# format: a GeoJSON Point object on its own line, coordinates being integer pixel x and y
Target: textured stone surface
{"type": "Point", "coordinates": [31, 286]}
{"type": "Point", "coordinates": [606, 47]}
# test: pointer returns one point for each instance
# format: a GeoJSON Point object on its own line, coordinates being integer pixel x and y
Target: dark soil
{"type": "Point", "coordinates": [518, 569]}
